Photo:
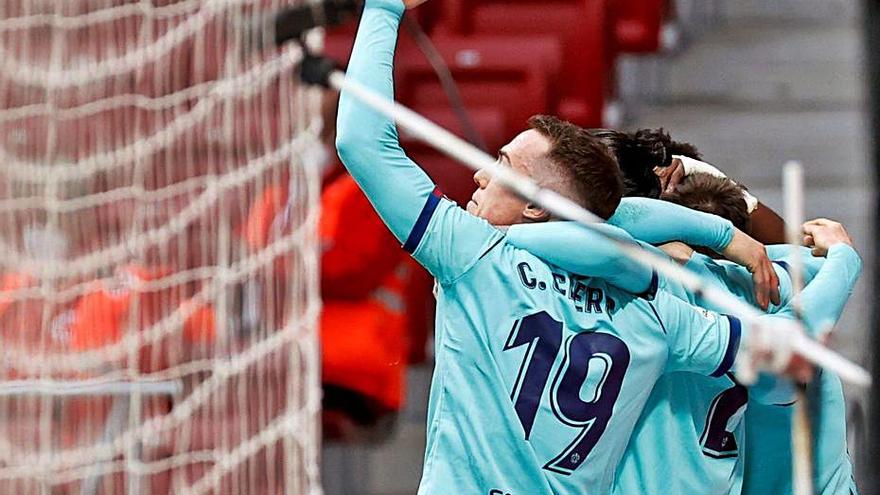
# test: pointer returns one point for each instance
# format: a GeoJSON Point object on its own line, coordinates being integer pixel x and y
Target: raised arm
{"type": "Point", "coordinates": [825, 295]}
{"type": "Point", "coordinates": [367, 141]}
{"type": "Point", "coordinates": [441, 236]}
{"type": "Point", "coordinates": [648, 220]}
{"type": "Point", "coordinates": [824, 298]}
{"type": "Point", "coordinates": [584, 251]}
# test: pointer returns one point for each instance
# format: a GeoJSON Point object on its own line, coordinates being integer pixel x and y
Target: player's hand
{"type": "Point", "coordinates": [413, 3]}
{"type": "Point", "coordinates": [821, 233]}
{"type": "Point", "coordinates": [769, 346]}
{"type": "Point", "coordinates": [751, 254]}
{"type": "Point", "coordinates": [678, 251]}
{"type": "Point", "coordinates": [671, 176]}
{"type": "Point", "coordinates": [799, 369]}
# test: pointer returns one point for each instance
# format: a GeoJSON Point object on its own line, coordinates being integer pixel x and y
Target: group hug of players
{"type": "Point", "coordinates": [563, 367]}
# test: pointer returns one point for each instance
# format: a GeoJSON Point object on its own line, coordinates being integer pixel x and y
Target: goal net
{"type": "Point", "coordinates": [158, 224]}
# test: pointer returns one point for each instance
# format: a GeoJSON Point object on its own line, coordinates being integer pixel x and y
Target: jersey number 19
{"type": "Point", "coordinates": [606, 353]}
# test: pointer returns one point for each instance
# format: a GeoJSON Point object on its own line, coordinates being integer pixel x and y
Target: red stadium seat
{"type": "Point", "coordinates": [95, 43]}
{"type": "Point", "coordinates": [78, 137]}
{"type": "Point", "coordinates": [581, 25]}
{"type": "Point", "coordinates": [516, 74]}
{"type": "Point", "coordinates": [30, 139]}
{"type": "Point", "coordinates": [338, 44]}
{"type": "Point", "coordinates": [453, 178]}
{"type": "Point", "coordinates": [490, 72]}
{"type": "Point", "coordinates": [637, 25]}
{"type": "Point", "coordinates": [247, 127]}
{"type": "Point", "coordinates": [487, 121]}
{"type": "Point", "coordinates": [71, 422]}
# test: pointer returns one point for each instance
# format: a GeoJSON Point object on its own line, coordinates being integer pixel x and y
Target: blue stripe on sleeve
{"type": "Point", "coordinates": [421, 225]}
{"type": "Point", "coordinates": [785, 266]}
{"type": "Point", "coordinates": [732, 347]}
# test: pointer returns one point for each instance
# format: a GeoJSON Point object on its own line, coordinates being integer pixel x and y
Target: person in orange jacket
{"type": "Point", "coordinates": [363, 282]}
{"type": "Point", "coordinates": [363, 279]}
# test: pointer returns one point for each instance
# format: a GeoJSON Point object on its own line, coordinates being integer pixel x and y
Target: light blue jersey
{"type": "Point", "coordinates": [704, 416]}
{"type": "Point", "coordinates": [768, 426]}
{"type": "Point", "coordinates": [768, 464]}
{"type": "Point", "coordinates": [537, 389]}
{"type": "Point", "coordinates": [689, 435]}
{"type": "Point", "coordinates": [540, 375]}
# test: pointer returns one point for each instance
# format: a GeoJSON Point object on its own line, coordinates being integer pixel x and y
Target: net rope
{"type": "Point", "coordinates": [35, 75]}
{"type": "Point", "coordinates": [152, 343]}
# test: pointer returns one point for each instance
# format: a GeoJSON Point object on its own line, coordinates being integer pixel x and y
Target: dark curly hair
{"type": "Point", "coordinates": [638, 152]}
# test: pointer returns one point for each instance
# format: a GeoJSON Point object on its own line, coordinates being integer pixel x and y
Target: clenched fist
{"type": "Point", "coordinates": [821, 233]}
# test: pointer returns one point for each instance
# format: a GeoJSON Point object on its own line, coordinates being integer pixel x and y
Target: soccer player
{"type": "Point", "coordinates": [705, 415]}
{"type": "Point", "coordinates": [540, 375]}
{"type": "Point", "coordinates": [768, 427]}
{"type": "Point", "coordinates": [700, 185]}
{"type": "Point", "coordinates": [654, 165]}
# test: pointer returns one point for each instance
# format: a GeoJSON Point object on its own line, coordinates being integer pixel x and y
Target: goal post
{"type": "Point", "coordinates": [149, 344]}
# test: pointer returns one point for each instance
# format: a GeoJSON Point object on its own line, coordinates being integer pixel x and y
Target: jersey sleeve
{"type": "Point", "coordinates": [781, 253]}
{"type": "Point", "coordinates": [829, 281]}
{"type": "Point", "coordinates": [823, 299]}
{"type": "Point", "coordinates": [655, 221]}
{"type": "Point", "coordinates": [454, 240]}
{"type": "Point", "coordinates": [440, 238]}
{"type": "Point", "coordinates": [588, 251]}
{"type": "Point", "coordinates": [699, 340]}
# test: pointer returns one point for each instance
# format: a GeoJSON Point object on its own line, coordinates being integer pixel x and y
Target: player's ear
{"type": "Point", "coordinates": [535, 213]}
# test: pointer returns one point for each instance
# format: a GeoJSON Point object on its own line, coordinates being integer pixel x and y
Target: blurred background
{"type": "Point", "coordinates": [177, 314]}
{"type": "Point", "coordinates": [752, 83]}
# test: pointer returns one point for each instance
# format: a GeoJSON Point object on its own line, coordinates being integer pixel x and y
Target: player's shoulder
{"type": "Point", "coordinates": [532, 273]}
{"type": "Point", "coordinates": [583, 299]}
{"type": "Point", "coordinates": [667, 307]}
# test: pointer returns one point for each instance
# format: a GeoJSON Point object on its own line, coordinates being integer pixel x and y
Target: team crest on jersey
{"type": "Point", "coordinates": [707, 314]}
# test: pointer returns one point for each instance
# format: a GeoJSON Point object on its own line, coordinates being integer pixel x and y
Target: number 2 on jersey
{"type": "Point", "coordinates": [543, 336]}
{"type": "Point", "coordinates": [717, 440]}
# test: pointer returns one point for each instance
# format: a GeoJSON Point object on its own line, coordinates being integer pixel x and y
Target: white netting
{"type": "Point", "coordinates": [157, 325]}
